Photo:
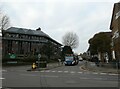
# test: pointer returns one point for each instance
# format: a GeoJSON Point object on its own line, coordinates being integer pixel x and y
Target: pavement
{"type": "Point", "coordinates": [91, 66]}
{"type": "Point", "coordinates": [49, 66]}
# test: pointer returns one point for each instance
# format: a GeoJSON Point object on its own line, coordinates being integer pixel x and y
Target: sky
{"type": "Point", "coordinates": [57, 17]}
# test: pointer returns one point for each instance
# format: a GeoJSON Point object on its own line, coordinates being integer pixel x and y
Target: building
{"type": "Point", "coordinates": [0, 48]}
{"type": "Point", "coordinates": [0, 43]}
{"type": "Point", "coordinates": [22, 41]}
{"type": "Point", "coordinates": [115, 27]}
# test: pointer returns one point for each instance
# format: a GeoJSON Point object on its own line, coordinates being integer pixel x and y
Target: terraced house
{"type": "Point", "coordinates": [115, 27]}
{"type": "Point", "coordinates": [22, 41]}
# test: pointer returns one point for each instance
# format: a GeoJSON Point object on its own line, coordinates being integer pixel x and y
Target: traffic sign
{"type": "Point", "coordinates": [39, 55]}
{"type": "Point", "coordinates": [12, 56]}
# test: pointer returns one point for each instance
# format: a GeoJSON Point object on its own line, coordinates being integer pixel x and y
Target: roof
{"type": "Point", "coordinates": [116, 5]}
{"type": "Point", "coordinates": [29, 32]}
{"type": "Point", "coordinates": [26, 31]}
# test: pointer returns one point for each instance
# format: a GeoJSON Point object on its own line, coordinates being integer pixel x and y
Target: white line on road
{"type": "Point", "coordinates": [47, 71]}
{"type": "Point", "coordinates": [65, 71]}
{"type": "Point", "coordinates": [103, 73]}
{"type": "Point", "coordinates": [95, 73]}
{"type": "Point", "coordinates": [42, 71]}
{"type": "Point", "coordinates": [112, 74]}
{"type": "Point", "coordinates": [86, 72]}
{"type": "Point", "coordinates": [60, 71]}
{"type": "Point", "coordinates": [84, 78]}
{"type": "Point", "coordinates": [36, 71]}
{"type": "Point", "coordinates": [97, 78]}
{"type": "Point", "coordinates": [80, 72]}
{"type": "Point", "coordinates": [72, 72]}
{"type": "Point", "coordinates": [3, 70]}
{"type": "Point", "coordinates": [49, 76]}
{"type": "Point", "coordinates": [53, 71]}
{"type": "Point", "coordinates": [2, 78]}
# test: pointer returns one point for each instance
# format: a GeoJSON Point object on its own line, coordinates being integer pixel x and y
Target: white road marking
{"type": "Point", "coordinates": [65, 71]}
{"type": "Point", "coordinates": [2, 78]}
{"type": "Point", "coordinates": [60, 71]}
{"type": "Point", "coordinates": [3, 70]}
{"type": "Point", "coordinates": [36, 71]}
{"type": "Point", "coordinates": [112, 74]}
{"type": "Point", "coordinates": [95, 73]}
{"type": "Point", "coordinates": [103, 73]}
{"type": "Point", "coordinates": [53, 71]}
{"type": "Point", "coordinates": [72, 72]}
{"type": "Point", "coordinates": [84, 78]}
{"type": "Point", "coordinates": [97, 78]}
{"type": "Point", "coordinates": [42, 71]}
{"type": "Point", "coordinates": [47, 71]}
{"type": "Point", "coordinates": [49, 76]}
{"type": "Point", "coordinates": [80, 72]}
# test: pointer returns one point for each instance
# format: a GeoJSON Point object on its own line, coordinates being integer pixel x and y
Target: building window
{"type": "Point", "coordinates": [116, 34]}
{"type": "Point", "coordinates": [117, 15]}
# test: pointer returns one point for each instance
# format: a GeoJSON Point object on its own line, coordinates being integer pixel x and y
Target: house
{"type": "Point", "coordinates": [115, 27]}
{"type": "Point", "coordinates": [23, 41]}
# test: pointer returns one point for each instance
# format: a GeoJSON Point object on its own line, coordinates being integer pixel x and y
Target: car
{"type": "Point", "coordinates": [80, 58]}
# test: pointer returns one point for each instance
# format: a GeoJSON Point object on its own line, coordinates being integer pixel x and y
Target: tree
{"type": "Point", "coordinates": [100, 43]}
{"type": "Point", "coordinates": [70, 39]}
{"type": "Point", "coordinates": [48, 50]}
{"type": "Point", "coordinates": [4, 21]}
{"type": "Point", "coordinates": [67, 50]}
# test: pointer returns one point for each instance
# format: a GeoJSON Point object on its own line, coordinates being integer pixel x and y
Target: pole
{"type": "Point", "coordinates": [39, 56]}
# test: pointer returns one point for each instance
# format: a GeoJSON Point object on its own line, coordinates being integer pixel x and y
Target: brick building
{"type": "Point", "coordinates": [115, 27]}
{"type": "Point", "coordinates": [24, 41]}
{"type": "Point", "coordinates": [0, 43]}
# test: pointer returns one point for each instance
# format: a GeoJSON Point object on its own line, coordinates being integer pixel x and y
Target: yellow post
{"type": "Point", "coordinates": [33, 66]}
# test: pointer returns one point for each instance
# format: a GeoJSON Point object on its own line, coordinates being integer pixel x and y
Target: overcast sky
{"type": "Point", "coordinates": [56, 17]}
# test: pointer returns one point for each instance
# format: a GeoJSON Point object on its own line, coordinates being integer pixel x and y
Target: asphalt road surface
{"type": "Point", "coordinates": [64, 76]}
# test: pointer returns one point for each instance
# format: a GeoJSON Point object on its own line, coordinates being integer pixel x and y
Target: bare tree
{"type": "Point", "coordinates": [70, 39]}
{"type": "Point", "coordinates": [4, 21]}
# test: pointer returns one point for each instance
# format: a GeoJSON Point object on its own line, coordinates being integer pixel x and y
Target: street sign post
{"type": "Point", "coordinates": [39, 56]}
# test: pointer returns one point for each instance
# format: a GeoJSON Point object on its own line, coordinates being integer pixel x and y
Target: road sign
{"type": "Point", "coordinates": [39, 56]}
{"type": "Point", "coordinates": [12, 56]}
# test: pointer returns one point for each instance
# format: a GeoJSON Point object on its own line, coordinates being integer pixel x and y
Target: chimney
{"type": "Point", "coordinates": [39, 29]}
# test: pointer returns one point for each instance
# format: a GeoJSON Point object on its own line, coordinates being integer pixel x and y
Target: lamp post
{"type": "Point", "coordinates": [39, 56]}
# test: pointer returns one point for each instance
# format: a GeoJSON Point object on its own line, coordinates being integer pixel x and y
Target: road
{"type": "Point", "coordinates": [64, 76]}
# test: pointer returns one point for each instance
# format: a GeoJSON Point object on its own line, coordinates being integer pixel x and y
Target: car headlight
{"type": "Point", "coordinates": [73, 62]}
{"type": "Point", "coordinates": [65, 62]}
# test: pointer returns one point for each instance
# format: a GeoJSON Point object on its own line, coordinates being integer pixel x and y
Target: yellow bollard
{"type": "Point", "coordinates": [34, 66]}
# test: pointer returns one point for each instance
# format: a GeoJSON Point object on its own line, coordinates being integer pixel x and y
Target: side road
{"type": "Point", "coordinates": [91, 66]}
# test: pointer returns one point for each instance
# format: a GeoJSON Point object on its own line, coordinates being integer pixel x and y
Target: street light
{"type": "Point", "coordinates": [39, 56]}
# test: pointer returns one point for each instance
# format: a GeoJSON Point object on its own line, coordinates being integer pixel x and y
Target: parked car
{"type": "Point", "coordinates": [80, 58]}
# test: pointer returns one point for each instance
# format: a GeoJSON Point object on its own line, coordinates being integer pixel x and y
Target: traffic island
{"type": "Point", "coordinates": [46, 67]}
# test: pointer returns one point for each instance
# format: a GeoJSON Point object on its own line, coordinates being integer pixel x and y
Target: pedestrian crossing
{"type": "Point", "coordinates": [65, 71]}
{"type": "Point", "coordinates": [3, 70]}
{"type": "Point", "coordinates": [74, 72]}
